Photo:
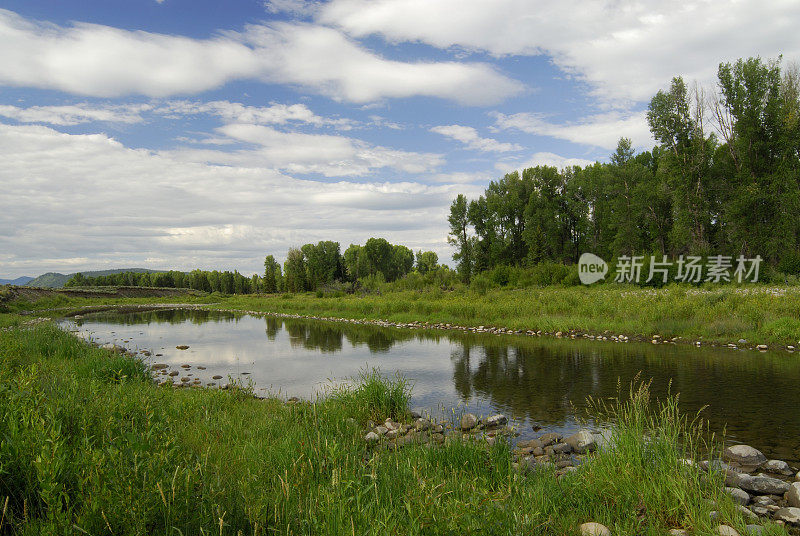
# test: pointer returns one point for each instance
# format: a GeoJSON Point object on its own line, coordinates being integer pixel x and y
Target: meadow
{"type": "Point", "coordinates": [91, 446]}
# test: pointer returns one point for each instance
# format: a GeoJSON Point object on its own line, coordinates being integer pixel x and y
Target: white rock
{"type": "Point", "coordinates": [725, 530]}
{"type": "Point", "coordinates": [581, 442]}
{"type": "Point", "coordinates": [677, 532]}
{"type": "Point", "coordinates": [744, 456]}
{"type": "Point", "coordinates": [496, 420]}
{"type": "Point", "coordinates": [789, 515]}
{"type": "Point", "coordinates": [777, 467]}
{"type": "Point", "coordinates": [594, 529]}
{"type": "Point", "coordinates": [793, 495]}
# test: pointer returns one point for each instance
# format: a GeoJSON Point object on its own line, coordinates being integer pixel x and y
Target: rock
{"type": "Point", "coordinates": [185, 379]}
{"type": "Point", "coordinates": [761, 347]}
{"type": "Point", "coordinates": [764, 500]}
{"type": "Point", "coordinates": [797, 476]}
{"type": "Point", "coordinates": [762, 484]}
{"type": "Point", "coordinates": [594, 529]}
{"type": "Point", "coordinates": [420, 425]}
{"type": "Point", "coordinates": [742, 341]}
{"type": "Point", "coordinates": [562, 448]}
{"type": "Point", "coordinates": [371, 437]}
{"type": "Point", "coordinates": [745, 512]}
{"type": "Point", "coordinates": [468, 421]}
{"type": "Point", "coordinates": [173, 373]}
{"type": "Point", "coordinates": [201, 368]}
{"type": "Point", "coordinates": [186, 366]}
{"type": "Point", "coordinates": [744, 456]}
{"type": "Point", "coordinates": [739, 496]}
{"type": "Point", "coordinates": [549, 439]}
{"type": "Point", "coordinates": [725, 530]}
{"type": "Point", "coordinates": [793, 495]}
{"type": "Point", "coordinates": [677, 532]}
{"type": "Point", "coordinates": [216, 377]}
{"type": "Point", "coordinates": [529, 443]}
{"type": "Point", "coordinates": [182, 347]}
{"type": "Point", "coordinates": [159, 366]}
{"type": "Point", "coordinates": [778, 467]}
{"type": "Point", "coordinates": [753, 530]}
{"type": "Point", "coordinates": [392, 434]}
{"type": "Point", "coordinates": [496, 420]}
{"type": "Point", "coordinates": [582, 442]}
{"type": "Point", "coordinates": [790, 515]}
{"type": "Point", "coordinates": [381, 430]}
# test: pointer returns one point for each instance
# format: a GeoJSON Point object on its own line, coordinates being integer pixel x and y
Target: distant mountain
{"type": "Point", "coordinates": [18, 281]}
{"type": "Point", "coordinates": [56, 280]}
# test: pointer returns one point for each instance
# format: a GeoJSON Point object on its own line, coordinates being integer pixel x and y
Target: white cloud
{"type": "Point", "coordinates": [470, 138]}
{"type": "Point", "coordinates": [624, 50]}
{"type": "Point", "coordinates": [57, 187]}
{"type": "Point", "coordinates": [76, 113]}
{"type": "Point", "coordinates": [234, 112]}
{"type": "Point", "coordinates": [601, 130]}
{"type": "Point", "coordinates": [101, 61]}
{"type": "Point", "coordinates": [296, 152]}
{"type": "Point", "coordinates": [544, 159]}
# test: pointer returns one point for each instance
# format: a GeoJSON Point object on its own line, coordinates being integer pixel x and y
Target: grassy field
{"type": "Point", "coordinates": [89, 445]}
{"type": "Point", "coordinates": [761, 314]}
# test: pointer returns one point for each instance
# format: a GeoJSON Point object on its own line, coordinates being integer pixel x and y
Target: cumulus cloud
{"type": "Point", "coordinates": [471, 140]}
{"type": "Point", "coordinates": [624, 50]}
{"type": "Point", "coordinates": [600, 130]}
{"type": "Point", "coordinates": [102, 61]}
{"type": "Point", "coordinates": [57, 187]}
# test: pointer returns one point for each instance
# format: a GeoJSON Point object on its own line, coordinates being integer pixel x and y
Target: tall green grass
{"type": "Point", "coordinates": [88, 445]}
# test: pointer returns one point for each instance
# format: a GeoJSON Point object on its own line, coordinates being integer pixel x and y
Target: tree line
{"type": "Point", "coordinates": [724, 178]}
{"type": "Point", "coordinates": [307, 268]}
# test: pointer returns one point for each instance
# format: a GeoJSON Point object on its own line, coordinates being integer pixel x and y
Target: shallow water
{"type": "Point", "coordinates": [753, 396]}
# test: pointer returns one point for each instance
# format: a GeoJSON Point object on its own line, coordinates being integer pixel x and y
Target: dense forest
{"type": "Point", "coordinates": [723, 179]}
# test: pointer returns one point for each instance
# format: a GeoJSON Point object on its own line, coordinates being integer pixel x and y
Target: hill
{"type": "Point", "coordinates": [56, 280]}
{"type": "Point", "coordinates": [18, 281]}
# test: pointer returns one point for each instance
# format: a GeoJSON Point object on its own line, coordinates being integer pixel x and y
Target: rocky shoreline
{"type": "Point", "coordinates": [762, 489]}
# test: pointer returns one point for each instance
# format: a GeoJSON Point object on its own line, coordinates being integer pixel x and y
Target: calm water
{"type": "Point", "coordinates": [754, 396]}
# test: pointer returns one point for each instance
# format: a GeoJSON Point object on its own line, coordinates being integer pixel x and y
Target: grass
{"type": "Point", "coordinates": [88, 445]}
{"type": "Point", "coordinates": [721, 314]}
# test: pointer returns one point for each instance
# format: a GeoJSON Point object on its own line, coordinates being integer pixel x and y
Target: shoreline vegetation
{"type": "Point", "coordinates": [91, 445]}
{"type": "Point", "coordinates": [748, 316]}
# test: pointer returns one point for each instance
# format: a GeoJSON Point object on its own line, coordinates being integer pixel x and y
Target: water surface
{"type": "Point", "coordinates": [540, 382]}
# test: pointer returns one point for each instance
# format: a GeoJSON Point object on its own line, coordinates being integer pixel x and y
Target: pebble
{"type": "Point", "coordinates": [216, 377]}
{"type": "Point", "coordinates": [173, 373]}
{"type": "Point", "coordinates": [182, 347]}
{"type": "Point", "coordinates": [594, 529]}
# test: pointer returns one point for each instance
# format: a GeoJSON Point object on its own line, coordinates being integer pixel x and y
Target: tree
{"type": "Point", "coordinates": [402, 262]}
{"type": "Point", "coordinates": [427, 261]}
{"type": "Point", "coordinates": [272, 275]}
{"type": "Point", "coordinates": [295, 271]}
{"type": "Point", "coordinates": [378, 257]}
{"type": "Point", "coordinates": [323, 263]}
{"type": "Point", "coordinates": [459, 237]}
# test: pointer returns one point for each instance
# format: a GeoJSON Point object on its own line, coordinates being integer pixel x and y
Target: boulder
{"type": "Point", "coordinates": [582, 442]}
{"type": "Point", "coordinates": [594, 529]}
{"type": "Point", "coordinates": [762, 484]}
{"type": "Point", "coordinates": [790, 515]}
{"type": "Point", "coordinates": [793, 495]}
{"type": "Point", "coordinates": [468, 421]}
{"type": "Point", "coordinates": [739, 496]}
{"type": "Point", "coordinates": [496, 420]}
{"type": "Point", "coordinates": [777, 467]}
{"type": "Point", "coordinates": [744, 456]}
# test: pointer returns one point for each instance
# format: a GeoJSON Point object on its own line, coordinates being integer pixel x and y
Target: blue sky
{"type": "Point", "coordinates": [183, 134]}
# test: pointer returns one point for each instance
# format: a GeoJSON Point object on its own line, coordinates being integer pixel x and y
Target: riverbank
{"type": "Point", "coordinates": [92, 445]}
{"type": "Point", "coordinates": [723, 315]}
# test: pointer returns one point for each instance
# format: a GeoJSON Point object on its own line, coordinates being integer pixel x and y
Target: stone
{"type": "Point", "coordinates": [764, 500]}
{"type": "Point", "coordinates": [753, 530]}
{"type": "Point", "coordinates": [762, 484]}
{"type": "Point", "coordinates": [746, 513]}
{"type": "Point", "coordinates": [182, 347]}
{"type": "Point", "coordinates": [594, 529]}
{"type": "Point", "coordinates": [381, 430]}
{"type": "Point", "coordinates": [391, 426]}
{"type": "Point", "coordinates": [186, 366]}
{"type": "Point", "coordinates": [761, 347]}
{"type": "Point", "coordinates": [790, 515]}
{"type": "Point", "coordinates": [677, 532]}
{"type": "Point", "coordinates": [549, 439]}
{"type": "Point", "coordinates": [216, 377]}
{"type": "Point", "coordinates": [793, 495]}
{"type": "Point", "coordinates": [159, 366]}
{"type": "Point", "coordinates": [185, 379]}
{"type": "Point", "coordinates": [529, 443]}
{"type": "Point", "coordinates": [420, 425]}
{"type": "Point", "coordinates": [778, 467]}
{"type": "Point", "coordinates": [371, 437]}
{"type": "Point", "coordinates": [468, 421]}
{"type": "Point", "coordinates": [173, 373]}
{"type": "Point", "coordinates": [582, 442]}
{"type": "Point", "coordinates": [744, 456]}
{"type": "Point", "coordinates": [562, 448]}
{"type": "Point", "coordinates": [739, 496]}
{"type": "Point", "coordinates": [725, 530]}
{"type": "Point", "coordinates": [201, 368]}
{"type": "Point", "coordinates": [392, 434]}
{"type": "Point", "coordinates": [496, 420]}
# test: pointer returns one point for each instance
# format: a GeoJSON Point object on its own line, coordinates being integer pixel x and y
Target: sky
{"type": "Point", "coordinates": [182, 134]}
